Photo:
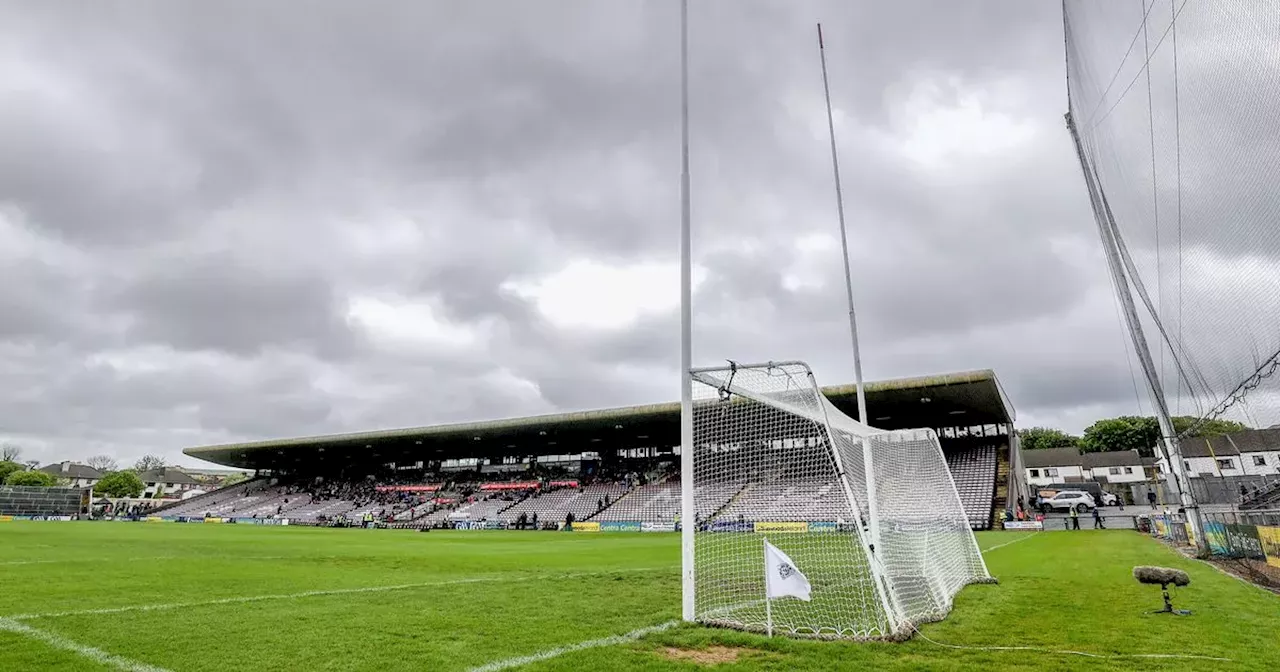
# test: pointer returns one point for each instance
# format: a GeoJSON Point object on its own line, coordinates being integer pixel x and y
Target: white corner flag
{"type": "Point", "coordinates": [781, 577]}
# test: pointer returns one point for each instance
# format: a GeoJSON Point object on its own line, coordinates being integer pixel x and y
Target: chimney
{"type": "Point", "coordinates": [66, 466]}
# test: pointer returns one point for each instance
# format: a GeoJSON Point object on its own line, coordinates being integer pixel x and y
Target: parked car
{"type": "Point", "coordinates": [1094, 489]}
{"type": "Point", "coordinates": [1067, 500]}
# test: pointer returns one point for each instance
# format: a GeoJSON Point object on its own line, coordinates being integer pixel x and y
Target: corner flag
{"type": "Point", "coordinates": [781, 577]}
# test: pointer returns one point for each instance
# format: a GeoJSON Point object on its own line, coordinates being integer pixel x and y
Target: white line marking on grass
{"type": "Point", "coordinates": [59, 642]}
{"type": "Point", "coordinates": [590, 644]}
{"type": "Point", "coordinates": [147, 558]}
{"type": "Point", "coordinates": [323, 593]}
{"type": "Point", "coordinates": [1008, 543]}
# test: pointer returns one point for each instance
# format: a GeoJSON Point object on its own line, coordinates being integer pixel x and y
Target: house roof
{"type": "Point", "coordinates": [1111, 458]}
{"type": "Point", "coordinates": [166, 475]}
{"type": "Point", "coordinates": [1235, 443]}
{"type": "Point", "coordinates": [1253, 440]}
{"type": "Point", "coordinates": [71, 470]}
{"type": "Point", "coordinates": [1068, 456]}
{"type": "Point", "coordinates": [1199, 446]}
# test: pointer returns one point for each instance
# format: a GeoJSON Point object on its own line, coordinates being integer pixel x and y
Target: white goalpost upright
{"type": "Point", "coordinates": [773, 456]}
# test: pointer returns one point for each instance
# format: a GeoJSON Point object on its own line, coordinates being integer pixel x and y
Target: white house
{"type": "Point", "coordinates": [1252, 452]}
{"type": "Point", "coordinates": [1117, 466]}
{"type": "Point", "coordinates": [1053, 465]}
{"type": "Point", "coordinates": [80, 475]}
{"type": "Point", "coordinates": [166, 482]}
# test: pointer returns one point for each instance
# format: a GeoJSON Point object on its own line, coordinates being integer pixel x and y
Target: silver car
{"type": "Point", "coordinates": [1067, 500]}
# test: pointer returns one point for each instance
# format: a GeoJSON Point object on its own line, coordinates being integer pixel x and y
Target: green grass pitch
{"type": "Point", "coordinates": [146, 597]}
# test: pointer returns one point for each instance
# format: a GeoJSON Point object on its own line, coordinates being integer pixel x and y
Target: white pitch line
{"type": "Point", "coordinates": [1008, 543]}
{"type": "Point", "coordinates": [318, 593]}
{"type": "Point", "coordinates": [148, 558]}
{"type": "Point", "coordinates": [59, 642]}
{"type": "Point", "coordinates": [590, 644]}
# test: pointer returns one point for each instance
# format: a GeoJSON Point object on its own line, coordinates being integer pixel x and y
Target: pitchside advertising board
{"type": "Point", "coordinates": [1269, 537]}
{"type": "Point", "coordinates": [1023, 525]}
{"type": "Point", "coordinates": [1233, 540]}
{"type": "Point", "coordinates": [621, 526]}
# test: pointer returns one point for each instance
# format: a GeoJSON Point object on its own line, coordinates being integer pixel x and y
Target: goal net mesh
{"type": "Point", "coordinates": [774, 459]}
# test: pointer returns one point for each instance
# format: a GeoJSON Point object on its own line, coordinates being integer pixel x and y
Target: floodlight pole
{"type": "Point", "coordinates": [1109, 233]}
{"type": "Point", "coordinates": [873, 518]}
{"type": "Point", "coordinates": [686, 336]}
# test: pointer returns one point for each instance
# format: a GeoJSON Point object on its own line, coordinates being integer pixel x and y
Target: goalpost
{"type": "Point", "coordinates": [773, 458]}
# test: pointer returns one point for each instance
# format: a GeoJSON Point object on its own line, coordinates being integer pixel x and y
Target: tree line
{"type": "Point", "coordinates": [1127, 432]}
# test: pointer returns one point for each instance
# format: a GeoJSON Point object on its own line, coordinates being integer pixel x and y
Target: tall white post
{"type": "Point", "coordinates": [768, 603]}
{"type": "Point", "coordinates": [686, 335]}
{"type": "Point", "coordinates": [873, 522]}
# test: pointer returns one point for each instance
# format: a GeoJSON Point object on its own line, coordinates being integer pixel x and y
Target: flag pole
{"type": "Point", "coordinates": [686, 336]}
{"type": "Point", "coordinates": [768, 603]}
{"type": "Point", "coordinates": [873, 517]}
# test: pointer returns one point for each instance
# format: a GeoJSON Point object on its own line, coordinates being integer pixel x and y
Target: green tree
{"type": "Point", "coordinates": [31, 478]}
{"type": "Point", "coordinates": [7, 467]}
{"type": "Point", "coordinates": [1035, 438]}
{"type": "Point", "coordinates": [1215, 427]}
{"type": "Point", "coordinates": [1129, 432]}
{"type": "Point", "coordinates": [120, 484]}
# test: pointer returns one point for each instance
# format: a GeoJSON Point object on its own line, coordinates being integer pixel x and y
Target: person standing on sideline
{"type": "Point", "coordinates": [1097, 521]}
{"type": "Point", "coordinates": [1075, 519]}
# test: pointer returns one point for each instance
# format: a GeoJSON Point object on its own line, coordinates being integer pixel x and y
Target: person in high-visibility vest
{"type": "Point", "coordinates": [1075, 519]}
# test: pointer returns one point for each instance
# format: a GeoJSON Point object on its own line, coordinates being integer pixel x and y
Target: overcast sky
{"type": "Point", "coordinates": [242, 220]}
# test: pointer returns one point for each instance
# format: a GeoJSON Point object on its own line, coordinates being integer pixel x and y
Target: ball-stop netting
{"type": "Point", "coordinates": [1175, 106]}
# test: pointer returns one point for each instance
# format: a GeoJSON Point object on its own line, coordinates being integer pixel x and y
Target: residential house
{"type": "Point", "coordinates": [166, 482]}
{"type": "Point", "coordinates": [1252, 452]}
{"type": "Point", "coordinates": [79, 475]}
{"type": "Point", "coordinates": [1117, 466]}
{"type": "Point", "coordinates": [1053, 465]}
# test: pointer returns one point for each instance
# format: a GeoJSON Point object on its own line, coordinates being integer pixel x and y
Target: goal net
{"type": "Point", "coordinates": [883, 548]}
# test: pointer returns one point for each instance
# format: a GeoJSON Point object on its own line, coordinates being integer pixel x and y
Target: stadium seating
{"type": "Point", "coordinates": [785, 495]}
{"type": "Point", "coordinates": [660, 503]}
{"type": "Point", "coordinates": [328, 508]}
{"type": "Point", "coordinates": [221, 502]}
{"type": "Point", "coordinates": [16, 500]}
{"type": "Point", "coordinates": [556, 504]}
{"type": "Point", "coordinates": [974, 471]}
{"type": "Point", "coordinates": [807, 500]}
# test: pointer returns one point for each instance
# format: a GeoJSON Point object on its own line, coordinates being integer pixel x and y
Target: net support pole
{"type": "Point", "coordinates": [1108, 232]}
{"type": "Point", "coordinates": [873, 519]}
{"type": "Point", "coordinates": [768, 603]}
{"type": "Point", "coordinates": [686, 336]}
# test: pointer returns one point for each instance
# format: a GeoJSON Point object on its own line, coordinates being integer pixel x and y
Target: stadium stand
{"type": "Point", "coordinates": [974, 471]}
{"type": "Point", "coordinates": [801, 500]}
{"type": "Point", "coordinates": [654, 503]}
{"type": "Point", "coordinates": [189, 507]}
{"type": "Point", "coordinates": [17, 500]}
{"type": "Point", "coordinates": [782, 496]}
{"type": "Point", "coordinates": [555, 505]}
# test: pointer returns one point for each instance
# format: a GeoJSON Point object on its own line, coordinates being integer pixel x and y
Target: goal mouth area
{"type": "Point", "coordinates": [869, 519]}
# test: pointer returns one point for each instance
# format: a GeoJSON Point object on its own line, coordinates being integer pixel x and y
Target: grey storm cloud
{"type": "Point", "coordinates": [236, 220]}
